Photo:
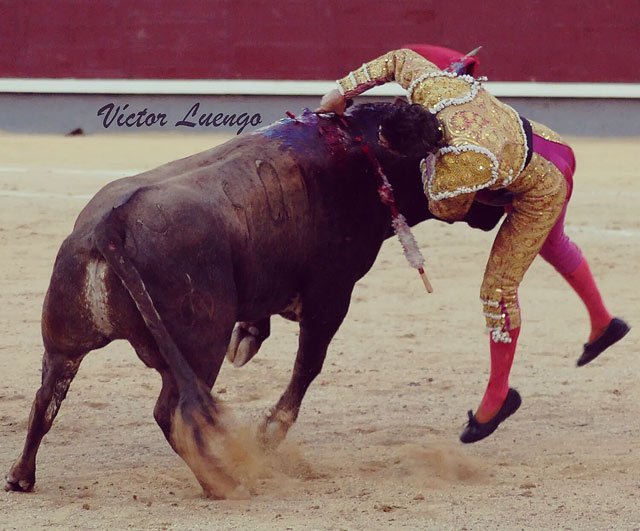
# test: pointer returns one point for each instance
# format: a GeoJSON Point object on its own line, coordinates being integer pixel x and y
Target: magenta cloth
{"type": "Point", "coordinates": [558, 249]}
{"type": "Point", "coordinates": [560, 155]}
{"type": "Point", "coordinates": [442, 57]}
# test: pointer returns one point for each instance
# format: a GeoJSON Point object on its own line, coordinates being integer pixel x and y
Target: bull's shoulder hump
{"type": "Point", "coordinates": [196, 178]}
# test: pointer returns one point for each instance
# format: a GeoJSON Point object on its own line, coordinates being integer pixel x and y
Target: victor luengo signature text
{"type": "Point", "coordinates": [124, 116]}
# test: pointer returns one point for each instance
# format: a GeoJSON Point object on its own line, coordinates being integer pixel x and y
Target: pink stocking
{"type": "Point", "coordinates": [501, 360]}
{"type": "Point", "coordinates": [585, 286]}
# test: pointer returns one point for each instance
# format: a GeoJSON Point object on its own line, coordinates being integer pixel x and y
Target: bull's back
{"type": "Point", "coordinates": [245, 204]}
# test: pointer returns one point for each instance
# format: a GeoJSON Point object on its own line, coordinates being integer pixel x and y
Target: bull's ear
{"type": "Point", "coordinates": [401, 100]}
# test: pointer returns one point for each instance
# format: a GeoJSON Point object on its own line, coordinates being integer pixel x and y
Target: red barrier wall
{"type": "Point", "coordinates": [540, 40]}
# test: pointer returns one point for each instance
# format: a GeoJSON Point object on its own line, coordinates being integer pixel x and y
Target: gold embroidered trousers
{"type": "Point", "coordinates": [539, 195]}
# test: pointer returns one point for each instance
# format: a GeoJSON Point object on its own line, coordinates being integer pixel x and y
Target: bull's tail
{"type": "Point", "coordinates": [196, 431]}
{"type": "Point", "coordinates": [109, 240]}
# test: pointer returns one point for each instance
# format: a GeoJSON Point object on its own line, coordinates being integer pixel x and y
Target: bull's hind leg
{"type": "Point", "coordinates": [57, 373]}
{"type": "Point", "coordinates": [198, 437]}
{"type": "Point", "coordinates": [323, 311]}
{"type": "Point", "coordinates": [75, 321]}
{"type": "Point", "coordinates": [193, 422]}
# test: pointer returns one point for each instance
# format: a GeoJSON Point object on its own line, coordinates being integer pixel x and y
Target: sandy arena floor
{"type": "Point", "coordinates": [376, 445]}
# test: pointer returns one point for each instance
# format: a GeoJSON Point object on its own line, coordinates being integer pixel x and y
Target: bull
{"type": "Point", "coordinates": [284, 220]}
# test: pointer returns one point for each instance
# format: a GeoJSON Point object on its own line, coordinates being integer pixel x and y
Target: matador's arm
{"type": "Point", "coordinates": [408, 69]}
{"type": "Point", "coordinates": [402, 66]}
{"type": "Point", "coordinates": [452, 177]}
{"type": "Point", "coordinates": [454, 209]}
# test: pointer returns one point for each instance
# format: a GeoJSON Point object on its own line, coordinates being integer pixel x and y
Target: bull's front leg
{"type": "Point", "coordinates": [321, 318]}
{"type": "Point", "coordinates": [246, 339]}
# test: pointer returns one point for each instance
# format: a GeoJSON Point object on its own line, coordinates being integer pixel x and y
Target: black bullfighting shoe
{"type": "Point", "coordinates": [616, 330]}
{"type": "Point", "coordinates": [476, 431]}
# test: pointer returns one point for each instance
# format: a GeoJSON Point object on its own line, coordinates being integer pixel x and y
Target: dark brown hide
{"type": "Point", "coordinates": [172, 258]}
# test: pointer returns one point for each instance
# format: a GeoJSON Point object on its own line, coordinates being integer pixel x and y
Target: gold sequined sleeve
{"type": "Point", "coordinates": [453, 209]}
{"type": "Point", "coordinates": [402, 66]}
{"type": "Point", "coordinates": [452, 177]}
{"type": "Point", "coordinates": [461, 170]}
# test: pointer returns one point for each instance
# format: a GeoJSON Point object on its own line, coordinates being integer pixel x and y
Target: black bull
{"type": "Point", "coordinates": [281, 221]}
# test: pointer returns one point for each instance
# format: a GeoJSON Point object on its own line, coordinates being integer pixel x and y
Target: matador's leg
{"type": "Point", "coordinates": [539, 195]}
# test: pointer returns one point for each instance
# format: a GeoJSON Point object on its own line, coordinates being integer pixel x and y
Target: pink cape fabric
{"type": "Point", "coordinates": [443, 57]}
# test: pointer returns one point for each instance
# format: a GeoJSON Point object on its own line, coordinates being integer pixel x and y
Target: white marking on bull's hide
{"type": "Point", "coordinates": [293, 311]}
{"type": "Point", "coordinates": [95, 292]}
{"type": "Point", "coordinates": [59, 390]}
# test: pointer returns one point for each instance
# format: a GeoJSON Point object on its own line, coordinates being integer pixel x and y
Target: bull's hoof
{"type": "Point", "coordinates": [13, 483]}
{"type": "Point", "coordinates": [243, 346]}
{"type": "Point", "coordinates": [273, 429]}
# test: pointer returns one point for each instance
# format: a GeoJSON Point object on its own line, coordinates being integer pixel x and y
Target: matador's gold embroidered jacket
{"type": "Point", "coordinates": [486, 142]}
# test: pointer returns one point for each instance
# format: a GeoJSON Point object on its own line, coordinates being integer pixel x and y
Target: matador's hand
{"type": "Point", "coordinates": [334, 102]}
